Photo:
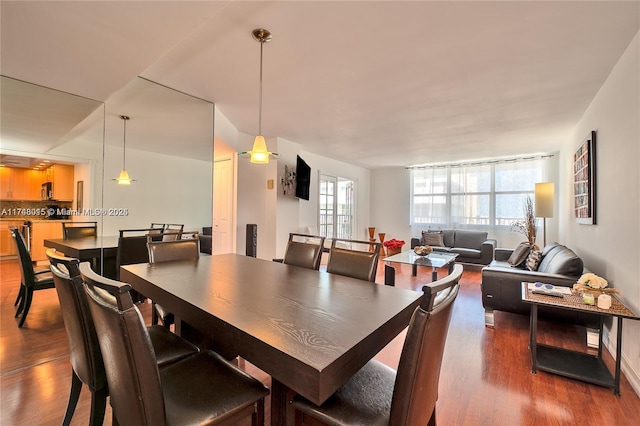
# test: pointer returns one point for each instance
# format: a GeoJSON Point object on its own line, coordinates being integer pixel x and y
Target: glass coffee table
{"type": "Point", "coordinates": [434, 259]}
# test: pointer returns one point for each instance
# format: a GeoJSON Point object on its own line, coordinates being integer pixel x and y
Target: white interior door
{"type": "Point", "coordinates": [222, 207]}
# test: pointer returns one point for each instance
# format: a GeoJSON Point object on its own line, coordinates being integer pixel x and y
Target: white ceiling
{"type": "Point", "coordinates": [373, 83]}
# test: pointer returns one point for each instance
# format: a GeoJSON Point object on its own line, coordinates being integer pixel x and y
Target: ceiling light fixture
{"type": "Point", "coordinates": [259, 153]}
{"type": "Point", "coordinates": [124, 178]}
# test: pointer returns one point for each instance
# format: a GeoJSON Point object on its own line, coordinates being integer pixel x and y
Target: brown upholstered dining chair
{"type": "Point", "coordinates": [200, 389]}
{"type": "Point", "coordinates": [172, 231]}
{"type": "Point", "coordinates": [304, 251]}
{"type": "Point", "coordinates": [73, 230]}
{"type": "Point", "coordinates": [378, 395]}
{"type": "Point", "coordinates": [84, 351]}
{"type": "Point", "coordinates": [30, 280]}
{"type": "Point", "coordinates": [353, 258]}
{"type": "Point", "coordinates": [132, 248]}
{"type": "Point", "coordinates": [164, 251]}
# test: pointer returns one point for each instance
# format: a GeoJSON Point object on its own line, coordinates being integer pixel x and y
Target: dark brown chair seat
{"type": "Point", "coordinates": [353, 258]}
{"type": "Point", "coordinates": [376, 395]}
{"type": "Point", "coordinates": [85, 355]}
{"type": "Point", "coordinates": [30, 281]}
{"type": "Point", "coordinates": [200, 389]}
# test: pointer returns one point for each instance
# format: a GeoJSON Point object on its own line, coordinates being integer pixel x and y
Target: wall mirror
{"type": "Point", "coordinates": [169, 150]}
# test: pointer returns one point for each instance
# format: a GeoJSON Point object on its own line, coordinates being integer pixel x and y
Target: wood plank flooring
{"type": "Point", "coordinates": [486, 373]}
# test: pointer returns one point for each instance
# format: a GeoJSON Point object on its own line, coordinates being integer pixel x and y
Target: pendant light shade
{"type": "Point", "coordinates": [259, 152]}
{"type": "Point", "coordinates": [124, 178]}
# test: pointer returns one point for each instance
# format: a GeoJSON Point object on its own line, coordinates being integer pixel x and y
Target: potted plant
{"type": "Point", "coordinates": [393, 246]}
{"type": "Point", "coordinates": [527, 226]}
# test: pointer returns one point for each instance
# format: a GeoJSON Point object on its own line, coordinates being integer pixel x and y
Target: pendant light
{"type": "Point", "coordinates": [124, 178]}
{"type": "Point", "coordinates": [259, 153]}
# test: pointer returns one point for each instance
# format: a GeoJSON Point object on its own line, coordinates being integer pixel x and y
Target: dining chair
{"type": "Point", "coordinates": [353, 258]}
{"type": "Point", "coordinates": [30, 281]}
{"type": "Point", "coordinates": [156, 229]}
{"type": "Point", "coordinates": [304, 250]}
{"type": "Point", "coordinates": [132, 248]}
{"type": "Point", "coordinates": [172, 232]}
{"type": "Point", "coordinates": [200, 389]}
{"type": "Point", "coordinates": [84, 351]}
{"type": "Point", "coordinates": [378, 395]}
{"type": "Point", "coordinates": [163, 251]}
{"type": "Point", "coordinates": [73, 230]}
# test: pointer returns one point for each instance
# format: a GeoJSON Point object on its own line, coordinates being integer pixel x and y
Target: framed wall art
{"type": "Point", "coordinates": [584, 181]}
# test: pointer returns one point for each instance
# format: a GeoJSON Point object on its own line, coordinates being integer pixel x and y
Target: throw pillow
{"type": "Point", "coordinates": [520, 254]}
{"type": "Point", "coordinates": [533, 260]}
{"type": "Point", "coordinates": [432, 239]}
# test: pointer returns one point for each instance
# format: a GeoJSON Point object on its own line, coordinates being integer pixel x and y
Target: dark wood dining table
{"type": "Point", "coordinates": [310, 330]}
{"type": "Point", "coordinates": [101, 251]}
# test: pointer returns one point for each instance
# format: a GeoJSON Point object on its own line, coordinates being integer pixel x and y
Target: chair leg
{"type": "Point", "coordinates": [257, 418]}
{"type": "Point", "coordinates": [98, 406]}
{"type": "Point", "coordinates": [22, 300]}
{"type": "Point", "coordinates": [154, 314]}
{"type": "Point", "coordinates": [76, 387]}
{"type": "Point", "coordinates": [19, 297]}
{"type": "Point", "coordinates": [27, 304]}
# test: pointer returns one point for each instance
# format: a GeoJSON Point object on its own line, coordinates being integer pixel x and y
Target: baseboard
{"type": "Point", "coordinates": [627, 369]}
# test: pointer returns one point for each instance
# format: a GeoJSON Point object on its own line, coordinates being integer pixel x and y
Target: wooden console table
{"type": "Point", "coordinates": [569, 363]}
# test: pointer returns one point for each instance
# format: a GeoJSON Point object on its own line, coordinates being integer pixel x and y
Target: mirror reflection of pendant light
{"type": "Point", "coordinates": [259, 153]}
{"type": "Point", "coordinates": [124, 178]}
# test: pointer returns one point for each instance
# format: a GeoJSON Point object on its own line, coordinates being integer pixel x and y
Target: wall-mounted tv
{"type": "Point", "coordinates": [303, 179]}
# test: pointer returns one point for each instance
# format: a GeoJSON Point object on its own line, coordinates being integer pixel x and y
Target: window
{"type": "Point", "coordinates": [474, 195]}
{"type": "Point", "coordinates": [336, 207]}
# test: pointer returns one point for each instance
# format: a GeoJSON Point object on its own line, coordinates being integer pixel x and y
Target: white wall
{"type": "Point", "coordinates": [611, 248]}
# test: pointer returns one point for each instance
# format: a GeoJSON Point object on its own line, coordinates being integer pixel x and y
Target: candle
{"type": "Point", "coordinates": [604, 301]}
{"type": "Point", "coordinates": [588, 298]}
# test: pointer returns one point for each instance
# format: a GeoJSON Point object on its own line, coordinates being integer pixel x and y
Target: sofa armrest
{"type": "Point", "coordinates": [487, 251]}
{"type": "Point", "coordinates": [515, 276]}
{"type": "Point", "coordinates": [415, 242]}
{"type": "Point", "coordinates": [503, 253]}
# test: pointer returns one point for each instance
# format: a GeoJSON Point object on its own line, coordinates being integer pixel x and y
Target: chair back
{"type": "Point", "coordinates": [416, 387]}
{"type": "Point", "coordinates": [172, 232]}
{"type": "Point", "coordinates": [157, 229]}
{"type": "Point", "coordinates": [162, 251]}
{"type": "Point", "coordinates": [26, 266]}
{"type": "Point", "coordinates": [73, 230]}
{"type": "Point", "coordinates": [84, 349]}
{"type": "Point", "coordinates": [304, 250]}
{"type": "Point", "coordinates": [130, 362]}
{"type": "Point", "coordinates": [353, 258]}
{"type": "Point", "coordinates": [132, 247]}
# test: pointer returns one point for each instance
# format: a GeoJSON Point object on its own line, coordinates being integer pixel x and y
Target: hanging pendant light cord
{"type": "Point", "coordinates": [260, 96]}
{"type": "Point", "coordinates": [124, 144]}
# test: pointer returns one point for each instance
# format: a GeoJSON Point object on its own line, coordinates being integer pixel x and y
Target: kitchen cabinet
{"type": "Point", "coordinates": [41, 231]}
{"type": "Point", "coordinates": [62, 178]}
{"type": "Point", "coordinates": [7, 246]}
{"type": "Point", "coordinates": [20, 184]}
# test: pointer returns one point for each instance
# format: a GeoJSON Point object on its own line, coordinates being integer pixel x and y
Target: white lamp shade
{"type": "Point", "coordinates": [259, 153]}
{"type": "Point", "coordinates": [544, 199]}
{"type": "Point", "coordinates": [124, 178]}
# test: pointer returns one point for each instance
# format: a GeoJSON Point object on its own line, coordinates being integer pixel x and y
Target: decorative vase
{"type": "Point", "coordinates": [372, 232]}
{"type": "Point", "coordinates": [381, 235]}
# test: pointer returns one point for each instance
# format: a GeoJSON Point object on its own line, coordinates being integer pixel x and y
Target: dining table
{"type": "Point", "coordinates": [309, 330]}
{"type": "Point", "coordinates": [101, 251]}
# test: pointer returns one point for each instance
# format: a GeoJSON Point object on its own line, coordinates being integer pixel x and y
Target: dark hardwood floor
{"type": "Point", "coordinates": [485, 379]}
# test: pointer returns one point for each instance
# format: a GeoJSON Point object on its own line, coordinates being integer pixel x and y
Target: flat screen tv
{"type": "Point", "coordinates": [303, 179]}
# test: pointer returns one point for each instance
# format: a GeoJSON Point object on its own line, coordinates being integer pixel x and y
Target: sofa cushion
{"type": "Point", "coordinates": [448, 237]}
{"type": "Point", "coordinates": [469, 239]}
{"type": "Point", "coordinates": [432, 239]}
{"type": "Point", "coordinates": [519, 255]}
{"type": "Point", "coordinates": [561, 260]}
{"type": "Point", "coordinates": [533, 260]}
{"type": "Point", "coordinates": [466, 252]}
